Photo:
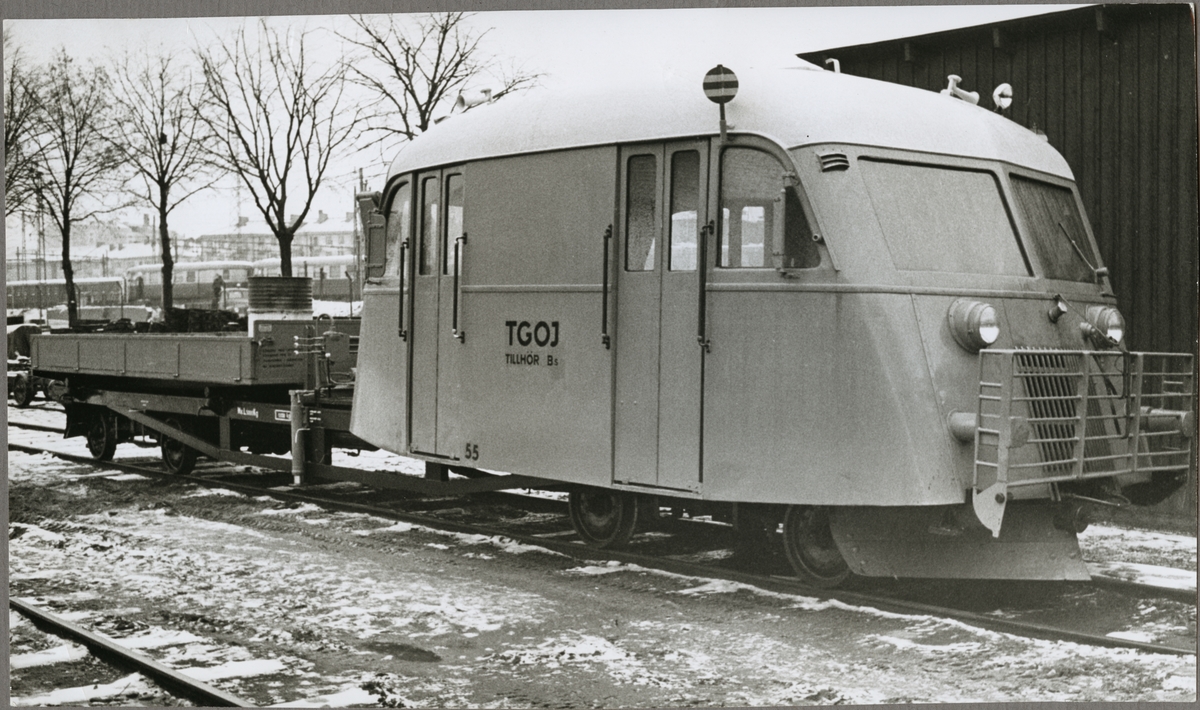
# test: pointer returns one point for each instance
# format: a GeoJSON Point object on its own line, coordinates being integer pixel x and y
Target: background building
{"type": "Point", "coordinates": [1113, 87]}
{"type": "Point", "coordinates": [320, 236]}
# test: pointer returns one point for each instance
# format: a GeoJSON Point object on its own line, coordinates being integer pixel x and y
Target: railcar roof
{"type": "Point", "coordinates": [193, 266]}
{"type": "Point", "coordinates": [795, 106]}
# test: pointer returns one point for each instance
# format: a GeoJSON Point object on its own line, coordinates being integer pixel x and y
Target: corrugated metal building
{"type": "Point", "coordinates": [1113, 87]}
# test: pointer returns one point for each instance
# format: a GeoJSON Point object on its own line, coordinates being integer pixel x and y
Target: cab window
{"type": "Point", "coordinates": [1055, 228]}
{"type": "Point", "coordinates": [762, 222]}
{"type": "Point", "coordinates": [938, 218]}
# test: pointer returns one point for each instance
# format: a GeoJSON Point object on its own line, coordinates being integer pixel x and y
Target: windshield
{"type": "Point", "coordinates": [1055, 229]}
{"type": "Point", "coordinates": [937, 218]}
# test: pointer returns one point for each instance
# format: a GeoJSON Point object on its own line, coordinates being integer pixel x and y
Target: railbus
{"type": "Point", "coordinates": [48, 293]}
{"type": "Point", "coordinates": [866, 319]}
{"type": "Point", "coordinates": [99, 298]}
{"type": "Point", "coordinates": [333, 277]}
{"type": "Point", "coordinates": [197, 284]}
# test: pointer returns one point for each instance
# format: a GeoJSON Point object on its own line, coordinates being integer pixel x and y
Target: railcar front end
{"type": "Point", "coordinates": [867, 317]}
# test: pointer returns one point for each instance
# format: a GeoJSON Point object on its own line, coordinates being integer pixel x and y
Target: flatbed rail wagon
{"type": "Point", "coordinates": [246, 398]}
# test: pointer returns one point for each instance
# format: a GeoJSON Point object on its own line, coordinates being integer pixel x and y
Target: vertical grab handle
{"type": "Point", "coordinates": [604, 337]}
{"type": "Point", "coordinates": [702, 298]}
{"type": "Point", "coordinates": [400, 325]}
{"type": "Point", "coordinates": [458, 251]}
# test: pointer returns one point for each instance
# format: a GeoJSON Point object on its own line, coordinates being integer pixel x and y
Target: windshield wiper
{"type": "Point", "coordinates": [1097, 272]}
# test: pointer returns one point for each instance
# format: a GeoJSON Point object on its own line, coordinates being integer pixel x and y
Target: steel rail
{"type": "Point", "coordinates": [112, 651]}
{"type": "Point", "coordinates": [34, 427]}
{"type": "Point", "coordinates": [691, 569]}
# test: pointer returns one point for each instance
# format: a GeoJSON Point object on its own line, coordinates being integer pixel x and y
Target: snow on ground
{"type": "Point", "coordinates": [130, 686]}
{"type": "Point", "coordinates": [1146, 574]}
{"type": "Point", "coordinates": [58, 654]}
{"type": "Point", "coordinates": [1102, 543]}
{"type": "Point", "coordinates": [363, 610]}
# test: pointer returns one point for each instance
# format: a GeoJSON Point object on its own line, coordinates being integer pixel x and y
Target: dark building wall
{"type": "Point", "coordinates": [1114, 89]}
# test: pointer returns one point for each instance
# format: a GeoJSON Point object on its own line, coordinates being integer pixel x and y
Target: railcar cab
{"type": "Point", "coordinates": [870, 317]}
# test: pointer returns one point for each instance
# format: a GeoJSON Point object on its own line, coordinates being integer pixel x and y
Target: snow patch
{"type": "Point", "coordinates": [298, 510]}
{"type": "Point", "coordinates": [909, 644]}
{"type": "Point", "coordinates": [1180, 682]}
{"type": "Point", "coordinates": [581, 649]}
{"type": "Point", "coordinates": [235, 669]}
{"type": "Point", "coordinates": [33, 532]}
{"type": "Point", "coordinates": [205, 492]}
{"type": "Point", "coordinates": [58, 654]}
{"type": "Point", "coordinates": [610, 567]}
{"type": "Point", "coordinates": [129, 686]}
{"type": "Point", "coordinates": [396, 528]}
{"type": "Point", "coordinates": [355, 695]}
{"type": "Point", "coordinates": [1140, 538]}
{"type": "Point", "coordinates": [716, 586]}
{"type": "Point", "coordinates": [499, 542]}
{"type": "Point", "coordinates": [1131, 636]}
{"type": "Point", "coordinates": [1168, 577]}
{"type": "Point", "coordinates": [159, 638]}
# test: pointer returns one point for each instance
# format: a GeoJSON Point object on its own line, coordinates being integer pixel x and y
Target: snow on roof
{"type": "Point", "coordinates": [135, 251]}
{"type": "Point", "coordinates": [794, 106]}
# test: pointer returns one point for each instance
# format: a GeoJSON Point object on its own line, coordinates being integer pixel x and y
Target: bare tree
{"type": "Point", "coordinates": [420, 65]}
{"type": "Point", "coordinates": [278, 117]}
{"type": "Point", "coordinates": [20, 114]}
{"type": "Point", "coordinates": [78, 167]}
{"type": "Point", "coordinates": [163, 138]}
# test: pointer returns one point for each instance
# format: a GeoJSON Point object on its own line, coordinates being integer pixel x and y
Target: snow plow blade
{"type": "Point", "coordinates": [947, 542]}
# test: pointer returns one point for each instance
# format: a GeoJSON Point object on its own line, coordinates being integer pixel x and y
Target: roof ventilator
{"type": "Point", "coordinates": [833, 161]}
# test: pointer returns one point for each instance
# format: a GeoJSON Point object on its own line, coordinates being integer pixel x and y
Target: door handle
{"type": "Point", "coordinates": [456, 331]}
{"type": "Point", "coordinates": [401, 331]}
{"type": "Point", "coordinates": [604, 337]}
{"type": "Point", "coordinates": [702, 298]}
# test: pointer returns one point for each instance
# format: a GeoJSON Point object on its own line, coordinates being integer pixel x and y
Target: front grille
{"type": "Point", "coordinates": [1051, 384]}
{"type": "Point", "coordinates": [1048, 416]}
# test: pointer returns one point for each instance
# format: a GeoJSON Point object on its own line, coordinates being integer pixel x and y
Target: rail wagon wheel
{"type": "Point", "coordinates": [178, 458]}
{"type": "Point", "coordinates": [102, 437]}
{"type": "Point", "coordinates": [22, 390]}
{"type": "Point", "coordinates": [810, 548]}
{"type": "Point", "coordinates": [603, 518]}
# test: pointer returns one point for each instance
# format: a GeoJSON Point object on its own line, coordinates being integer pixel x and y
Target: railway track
{"type": "Point", "coordinates": [1100, 580]}
{"type": "Point", "coordinates": [113, 652]}
{"type": "Point", "coordinates": [559, 540]}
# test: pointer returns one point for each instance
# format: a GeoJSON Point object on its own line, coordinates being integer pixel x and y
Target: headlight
{"type": "Point", "coordinates": [973, 324]}
{"type": "Point", "coordinates": [1105, 326]}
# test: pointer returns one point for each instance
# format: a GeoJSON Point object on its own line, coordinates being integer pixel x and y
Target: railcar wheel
{"type": "Point", "coordinates": [102, 437]}
{"type": "Point", "coordinates": [178, 458]}
{"type": "Point", "coordinates": [810, 547]}
{"type": "Point", "coordinates": [23, 390]}
{"type": "Point", "coordinates": [603, 518]}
